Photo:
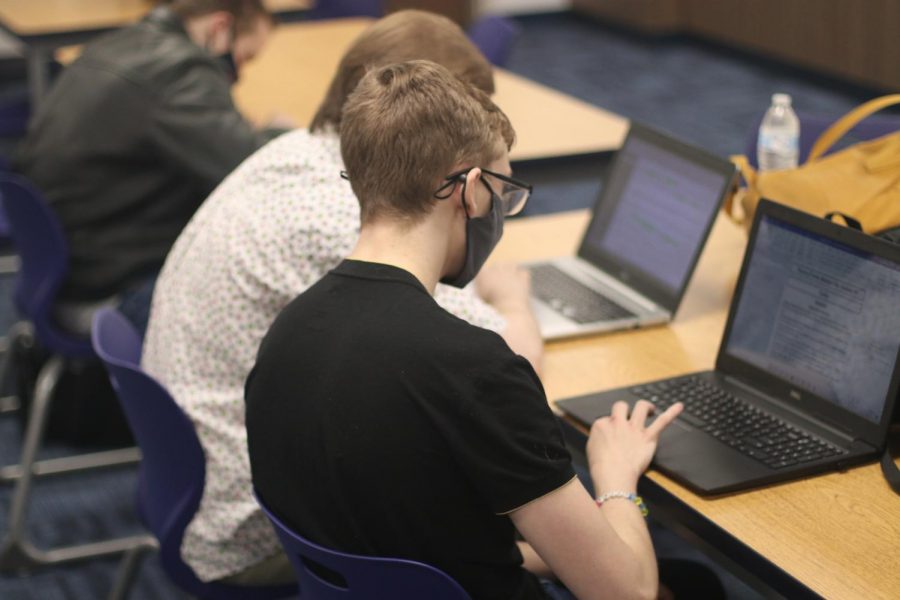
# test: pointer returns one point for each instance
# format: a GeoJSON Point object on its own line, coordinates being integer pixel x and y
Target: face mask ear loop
{"type": "Point", "coordinates": [207, 44]}
{"type": "Point", "coordinates": [465, 208]}
{"type": "Point", "coordinates": [232, 31]}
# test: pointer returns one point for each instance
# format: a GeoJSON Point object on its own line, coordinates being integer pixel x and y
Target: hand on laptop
{"type": "Point", "coordinates": [504, 286]}
{"type": "Point", "coordinates": [620, 446]}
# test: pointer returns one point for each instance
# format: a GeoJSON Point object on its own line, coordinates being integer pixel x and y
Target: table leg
{"type": "Point", "coordinates": [38, 64]}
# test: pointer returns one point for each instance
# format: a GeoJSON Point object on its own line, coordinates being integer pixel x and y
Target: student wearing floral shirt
{"type": "Point", "coordinates": [273, 228]}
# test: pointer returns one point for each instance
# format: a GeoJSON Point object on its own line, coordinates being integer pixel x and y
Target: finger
{"type": "Point", "coordinates": [598, 423]}
{"type": "Point", "coordinates": [663, 420]}
{"type": "Point", "coordinates": [620, 410]}
{"type": "Point", "coordinates": [640, 412]}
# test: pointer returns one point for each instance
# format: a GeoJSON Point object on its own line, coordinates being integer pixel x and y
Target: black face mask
{"type": "Point", "coordinates": [229, 66]}
{"type": "Point", "coordinates": [482, 235]}
{"type": "Point", "coordinates": [226, 59]}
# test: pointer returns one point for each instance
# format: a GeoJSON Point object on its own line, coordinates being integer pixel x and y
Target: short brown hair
{"type": "Point", "coordinates": [405, 127]}
{"type": "Point", "coordinates": [398, 37]}
{"type": "Point", "coordinates": [245, 12]}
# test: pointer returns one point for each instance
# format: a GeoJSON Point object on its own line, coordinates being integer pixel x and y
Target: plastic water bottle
{"type": "Point", "coordinates": [778, 145]}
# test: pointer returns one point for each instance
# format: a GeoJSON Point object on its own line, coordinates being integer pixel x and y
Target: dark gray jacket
{"type": "Point", "coordinates": [131, 139]}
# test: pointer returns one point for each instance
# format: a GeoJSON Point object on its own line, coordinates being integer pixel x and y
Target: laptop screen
{"type": "Point", "coordinates": [656, 212]}
{"type": "Point", "coordinates": [819, 315]}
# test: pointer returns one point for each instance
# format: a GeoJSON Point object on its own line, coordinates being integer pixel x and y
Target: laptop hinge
{"type": "Point", "coordinates": [831, 428]}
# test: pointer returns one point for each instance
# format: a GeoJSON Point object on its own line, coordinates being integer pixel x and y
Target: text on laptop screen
{"type": "Point", "coordinates": [820, 315]}
{"type": "Point", "coordinates": [656, 211]}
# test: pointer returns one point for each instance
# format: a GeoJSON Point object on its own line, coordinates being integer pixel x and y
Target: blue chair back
{"type": "Point", "coordinates": [494, 36]}
{"type": "Point", "coordinates": [360, 577]}
{"type": "Point", "coordinates": [44, 263]}
{"type": "Point", "coordinates": [813, 126]}
{"type": "Point", "coordinates": [336, 9]}
{"type": "Point", "coordinates": [173, 466]}
{"type": "Point", "coordinates": [5, 227]}
{"type": "Point", "coordinates": [14, 114]}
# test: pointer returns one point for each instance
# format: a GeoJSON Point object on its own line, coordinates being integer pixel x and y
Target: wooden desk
{"type": "Point", "coordinates": [293, 71]}
{"type": "Point", "coordinates": [41, 17]}
{"type": "Point", "coordinates": [836, 535]}
{"type": "Point", "coordinates": [44, 25]}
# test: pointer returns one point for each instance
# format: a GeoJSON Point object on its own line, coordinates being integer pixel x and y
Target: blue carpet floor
{"type": "Point", "coordinates": [700, 92]}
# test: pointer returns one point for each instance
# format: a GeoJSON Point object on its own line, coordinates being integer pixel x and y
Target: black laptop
{"type": "Point", "coordinates": [807, 371]}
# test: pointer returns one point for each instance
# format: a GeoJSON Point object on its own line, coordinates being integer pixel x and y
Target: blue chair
{"type": "Point", "coordinates": [360, 577]}
{"type": "Point", "coordinates": [6, 238]}
{"type": "Point", "coordinates": [173, 470]}
{"type": "Point", "coordinates": [336, 9]}
{"type": "Point", "coordinates": [494, 36]}
{"type": "Point", "coordinates": [5, 230]}
{"type": "Point", "coordinates": [813, 126]}
{"type": "Point", "coordinates": [9, 264]}
{"type": "Point", "coordinates": [43, 253]}
{"type": "Point", "coordinates": [14, 114]}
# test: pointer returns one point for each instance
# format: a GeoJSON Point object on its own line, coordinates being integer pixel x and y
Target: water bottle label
{"type": "Point", "coordinates": [777, 150]}
{"type": "Point", "coordinates": [784, 144]}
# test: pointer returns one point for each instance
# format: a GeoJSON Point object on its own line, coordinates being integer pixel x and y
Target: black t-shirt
{"type": "Point", "coordinates": [379, 424]}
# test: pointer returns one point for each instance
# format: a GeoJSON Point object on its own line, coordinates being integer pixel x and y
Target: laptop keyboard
{"type": "Point", "coordinates": [744, 427]}
{"type": "Point", "coordinates": [573, 299]}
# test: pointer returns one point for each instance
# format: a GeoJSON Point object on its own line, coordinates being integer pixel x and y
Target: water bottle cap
{"type": "Point", "coordinates": [781, 99]}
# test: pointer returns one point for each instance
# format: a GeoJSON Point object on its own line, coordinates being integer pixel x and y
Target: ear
{"type": "Point", "coordinates": [471, 197]}
{"type": "Point", "coordinates": [222, 18]}
{"type": "Point", "coordinates": [221, 23]}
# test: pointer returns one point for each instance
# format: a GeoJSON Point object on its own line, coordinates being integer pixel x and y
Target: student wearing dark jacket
{"type": "Point", "coordinates": [133, 136]}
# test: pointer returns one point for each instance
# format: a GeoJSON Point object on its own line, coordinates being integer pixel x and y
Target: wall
{"type": "Point", "coordinates": [648, 16]}
{"type": "Point", "coordinates": [510, 7]}
{"type": "Point", "coordinates": [855, 39]}
{"type": "Point", "coordinates": [858, 40]}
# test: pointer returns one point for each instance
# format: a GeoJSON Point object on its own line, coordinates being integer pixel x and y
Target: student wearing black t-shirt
{"type": "Point", "coordinates": [380, 424]}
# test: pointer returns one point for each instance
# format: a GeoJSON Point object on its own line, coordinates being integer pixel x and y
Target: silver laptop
{"type": "Point", "coordinates": [648, 228]}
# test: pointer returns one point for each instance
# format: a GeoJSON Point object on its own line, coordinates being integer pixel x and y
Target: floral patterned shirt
{"type": "Point", "coordinates": [273, 227]}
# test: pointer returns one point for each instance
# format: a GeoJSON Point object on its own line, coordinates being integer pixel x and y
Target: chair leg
{"type": "Point", "coordinates": [16, 552]}
{"type": "Point", "coordinates": [66, 464]}
{"type": "Point", "coordinates": [70, 464]}
{"type": "Point", "coordinates": [9, 404]}
{"type": "Point", "coordinates": [128, 570]}
{"type": "Point", "coordinates": [9, 264]}
{"type": "Point", "coordinates": [19, 331]}
{"type": "Point", "coordinates": [34, 433]}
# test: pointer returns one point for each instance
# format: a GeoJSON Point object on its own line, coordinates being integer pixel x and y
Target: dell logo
{"type": "Point", "coordinates": [795, 394]}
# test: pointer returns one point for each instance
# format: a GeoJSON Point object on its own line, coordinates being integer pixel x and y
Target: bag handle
{"type": "Point", "coordinates": [749, 174]}
{"type": "Point", "coordinates": [840, 127]}
{"type": "Point", "coordinates": [889, 470]}
{"type": "Point", "coordinates": [745, 168]}
{"type": "Point", "coordinates": [848, 220]}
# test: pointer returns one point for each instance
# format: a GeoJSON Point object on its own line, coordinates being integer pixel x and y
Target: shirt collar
{"type": "Point", "coordinates": [378, 272]}
{"type": "Point", "coordinates": [164, 19]}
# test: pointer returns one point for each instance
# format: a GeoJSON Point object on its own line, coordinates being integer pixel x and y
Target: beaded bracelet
{"type": "Point", "coordinates": [626, 496]}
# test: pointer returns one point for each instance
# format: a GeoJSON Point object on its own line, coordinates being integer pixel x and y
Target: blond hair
{"type": "Point", "coordinates": [402, 36]}
{"type": "Point", "coordinates": [405, 127]}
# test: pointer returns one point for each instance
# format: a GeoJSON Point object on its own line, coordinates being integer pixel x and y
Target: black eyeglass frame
{"type": "Point", "coordinates": [444, 192]}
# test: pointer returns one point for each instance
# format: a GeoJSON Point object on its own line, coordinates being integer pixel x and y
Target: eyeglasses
{"type": "Point", "coordinates": [513, 192]}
